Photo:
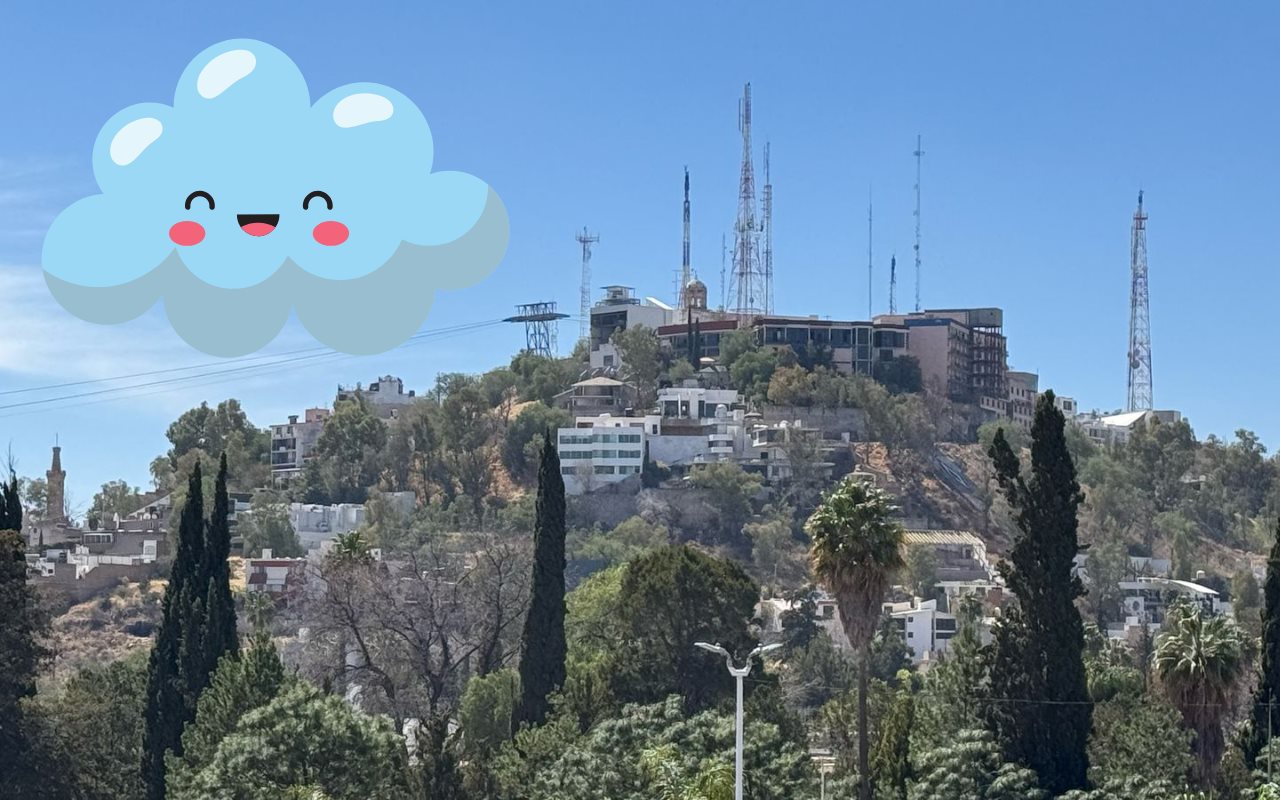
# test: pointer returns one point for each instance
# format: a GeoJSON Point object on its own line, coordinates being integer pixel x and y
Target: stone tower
{"type": "Point", "coordinates": [55, 509]}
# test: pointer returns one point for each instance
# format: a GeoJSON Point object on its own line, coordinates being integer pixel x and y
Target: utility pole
{"type": "Point", "coordinates": [1140, 397]}
{"type": "Point", "coordinates": [919, 154]}
{"type": "Point", "coordinates": [585, 239]}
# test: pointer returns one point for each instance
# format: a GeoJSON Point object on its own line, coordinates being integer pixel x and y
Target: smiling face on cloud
{"type": "Point", "coordinates": [245, 198]}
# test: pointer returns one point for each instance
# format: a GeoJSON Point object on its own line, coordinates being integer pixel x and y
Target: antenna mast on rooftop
{"type": "Point", "coordinates": [686, 274]}
{"type": "Point", "coordinates": [919, 154]}
{"type": "Point", "coordinates": [724, 252]}
{"type": "Point", "coordinates": [1140, 398]}
{"type": "Point", "coordinates": [869, 261]}
{"type": "Point", "coordinates": [893, 283]}
{"type": "Point", "coordinates": [586, 239]}
{"type": "Point", "coordinates": [767, 254]}
{"type": "Point", "coordinates": [747, 281]}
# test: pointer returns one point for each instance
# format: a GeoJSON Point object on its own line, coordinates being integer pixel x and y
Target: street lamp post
{"type": "Point", "coordinates": [738, 673]}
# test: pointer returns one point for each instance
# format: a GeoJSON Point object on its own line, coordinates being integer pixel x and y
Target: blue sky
{"type": "Point", "coordinates": [1040, 124]}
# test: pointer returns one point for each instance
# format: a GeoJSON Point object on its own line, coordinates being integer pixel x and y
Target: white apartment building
{"type": "Point", "coordinates": [602, 450]}
{"type": "Point", "coordinates": [926, 630]}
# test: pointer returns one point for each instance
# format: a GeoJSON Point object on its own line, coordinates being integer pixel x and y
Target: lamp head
{"type": "Point", "coordinates": [712, 648]}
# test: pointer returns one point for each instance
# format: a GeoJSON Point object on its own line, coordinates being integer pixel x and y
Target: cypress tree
{"type": "Point", "coordinates": [1265, 718]}
{"type": "Point", "coordinates": [10, 505]}
{"type": "Point", "coordinates": [220, 613]}
{"type": "Point", "coordinates": [22, 621]}
{"type": "Point", "coordinates": [1038, 665]}
{"type": "Point", "coordinates": [170, 705]}
{"type": "Point", "coordinates": [542, 647]}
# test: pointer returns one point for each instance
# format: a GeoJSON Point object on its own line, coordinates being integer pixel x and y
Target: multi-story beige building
{"type": "Point", "coordinates": [962, 352]}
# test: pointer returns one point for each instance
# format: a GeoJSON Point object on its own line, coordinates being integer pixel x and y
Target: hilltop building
{"type": "Point", "coordinates": [293, 442]}
{"type": "Point", "coordinates": [386, 396]}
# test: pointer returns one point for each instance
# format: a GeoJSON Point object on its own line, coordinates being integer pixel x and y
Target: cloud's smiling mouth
{"type": "Point", "coordinates": [258, 224]}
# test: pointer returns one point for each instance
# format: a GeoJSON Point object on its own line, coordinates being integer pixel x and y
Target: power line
{"type": "Point", "coordinates": [304, 358]}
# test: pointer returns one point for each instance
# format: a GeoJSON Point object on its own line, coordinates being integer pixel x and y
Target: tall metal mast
{"type": "Point", "coordinates": [685, 270]}
{"type": "Point", "coordinates": [724, 252]}
{"type": "Point", "coordinates": [869, 261]}
{"type": "Point", "coordinates": [1140, 398]}
{"type": "Point", "coordinates": [893, 284]}
{"type": "Point", "coordinates": [586, 240]}
{"type": "Point", "coordinates": [746, 283]}
{"type": "Point", "coordinates": [919, 154]}
{"type": "Point", "coordinates": [767, 255]}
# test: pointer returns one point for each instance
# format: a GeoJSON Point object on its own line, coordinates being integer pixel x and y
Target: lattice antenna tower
{"type": "Point", "coordinates": [919, 154]}
{"type": "Point", "coordinates": [746, 284]}
{"type": "Point", "coordinates": [766, 256]}
{"type": "Point", "coordinates": [686, 271]}
{"type": "Point", "coordinates": [1140, 398]}
{"type": "Point", "coordinates": [586, 239]}
{"type": "Point", "coordinates": [893, 284]}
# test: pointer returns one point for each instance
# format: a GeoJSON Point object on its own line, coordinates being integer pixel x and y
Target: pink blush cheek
{"type": "Point", "coordinates": [186, 233]}
{"type": "Point", "coordinates": [331, 233]}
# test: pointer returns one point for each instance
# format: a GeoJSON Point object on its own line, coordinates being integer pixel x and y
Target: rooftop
{"type": "Point", "coordinates": [943, 537]}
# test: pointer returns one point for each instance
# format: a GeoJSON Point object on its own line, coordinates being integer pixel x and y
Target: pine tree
{"type": "Point", "coordinates": [542, 654]}
{"type": "Point", "coordinates": [1265, 718]}
{"type": "Point", "coordinates": [239, 686]}
{"type": "Point", "coordinates": [220, 613]}
{"type": "Point", "coordinates": [1038, 665]}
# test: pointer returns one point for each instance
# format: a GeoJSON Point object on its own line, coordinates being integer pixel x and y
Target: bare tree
{"type": "Point", "coordinates": [402, 637]}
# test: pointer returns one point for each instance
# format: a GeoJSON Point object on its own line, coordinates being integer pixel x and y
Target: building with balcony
{"type": "Point", "coordinates": [619, 310]}
{"type": "Point", "coordinates": [962, 352]}
{"type": "Point", "coordinates": [602, 450]}
{"type": "Point", "coordinates": [293, 442]}
{"type": "Point", "coordinates": [1024, 389]}
{"type": "Point", "coordinates": [595, 396]}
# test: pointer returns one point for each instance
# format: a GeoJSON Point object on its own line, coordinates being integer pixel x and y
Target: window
{"type": "Point", "coordinates": [606, 438]}
{"type": "Point", "coordinates": [911, 634]}
{"type": "Point", "coordinates": [606, 454]}
{"type": "Point", "coordinates": [828, 611]}
{"type": "Point", "coordinates": [605, 471]}
{"type": "Point", "coordinates": [628, 438]}
{"type": "Point", "coordinates": [630, 454]}
{"type": "Point", "coordinates": [568, 470]}
{"type": "Point", "coordinates": [608, 361]}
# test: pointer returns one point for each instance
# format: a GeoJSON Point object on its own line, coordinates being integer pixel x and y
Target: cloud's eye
{"type": "Point", "coordinates": [199, 193]}
{"type": "Point", "coordinates": [318, 195]}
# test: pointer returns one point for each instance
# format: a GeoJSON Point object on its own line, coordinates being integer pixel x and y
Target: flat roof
{"type": "Point", "coordinates": [942, 537]}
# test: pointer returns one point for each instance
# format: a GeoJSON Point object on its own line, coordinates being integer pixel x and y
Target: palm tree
{"type": "Point", "coordinates": [667, 781]}
{"type": "Point", "coordinates": [1200, 661]}
{"type": "Point", "coordinates": [856, 548]}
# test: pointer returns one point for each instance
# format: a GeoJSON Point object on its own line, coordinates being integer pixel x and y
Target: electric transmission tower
{"type": "Point", "coordinates": [919, 154]}
{"type": "Point", "coordinates": [747, 285]}
{"type": "Point", "coordinates": [1139, 317]}
{"type": "Point", "coordinates": [586, 240]}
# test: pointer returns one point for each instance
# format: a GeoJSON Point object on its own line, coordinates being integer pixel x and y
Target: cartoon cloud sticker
{"type": "Point", "coordinates": [244, 201]}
